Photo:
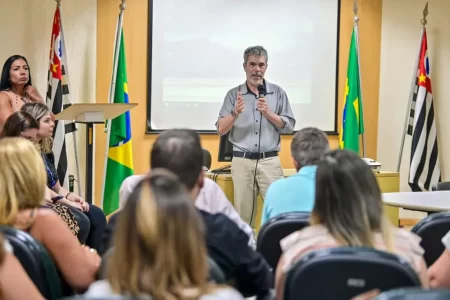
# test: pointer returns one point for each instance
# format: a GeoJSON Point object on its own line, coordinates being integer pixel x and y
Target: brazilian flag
{"type": "Point", "coordinates": [352, 119]}
{"type": "Point", "coordinates": [120, 159]}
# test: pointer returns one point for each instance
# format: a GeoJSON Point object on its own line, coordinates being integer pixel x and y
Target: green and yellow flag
{"type": "Point", "coordinates": [352, 117]}
{"type": "Point", "coordinates": [120, 160]}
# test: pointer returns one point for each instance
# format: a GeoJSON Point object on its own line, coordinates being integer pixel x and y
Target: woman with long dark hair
{"type": "Point", "coordinates": [20, 124]}
{"type": "Point", "coordinates": [16, 87]}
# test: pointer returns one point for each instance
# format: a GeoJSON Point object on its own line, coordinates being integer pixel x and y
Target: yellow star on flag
{"type": "Point", "coordinates": [422, 78]}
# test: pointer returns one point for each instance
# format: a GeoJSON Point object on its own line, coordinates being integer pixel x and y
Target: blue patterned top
{"type": "Point", "coordinates": [52, 174]}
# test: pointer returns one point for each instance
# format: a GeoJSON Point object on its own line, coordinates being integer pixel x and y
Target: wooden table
{"type": "Point", "coordinates": [389, 182]}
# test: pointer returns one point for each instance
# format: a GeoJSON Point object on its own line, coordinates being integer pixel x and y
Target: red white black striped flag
{"type": "Point", "coordinates": [424, 161]}
{"type": "Point", "coordinates": [58, 96]}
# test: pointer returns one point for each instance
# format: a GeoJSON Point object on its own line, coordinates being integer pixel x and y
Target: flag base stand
{"type": "Point", "coordinates": [90, 114]}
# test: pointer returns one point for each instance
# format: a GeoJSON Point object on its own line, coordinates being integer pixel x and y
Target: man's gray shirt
{"type": "Point", "coordinates": [245, 132]}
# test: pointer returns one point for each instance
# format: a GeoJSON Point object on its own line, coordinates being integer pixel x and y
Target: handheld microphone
{"type": "Point", "coordinates": [262, 91]}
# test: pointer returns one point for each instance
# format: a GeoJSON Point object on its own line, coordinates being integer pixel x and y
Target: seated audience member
{"type": "Point", "coordinates": [439, 272]}
{"type": "Point", "coordinates": [14, 281]}
{"type": "Point", "coordinates": [22, 188]}
{"type": "Point", "coordinates": [96, 219]}
{"type": "Point", "coordinates": [16, 88]}
{"type": "Point", "coordinates": [210, 199]}
{"type": "Point", "coordinates": [296, 192]}
{"type": "Point", "coordinates": [179, 151]}
{"type": "Point", "coordinates": [348, 211]}
{"type": "Point", "coordinates": [22, 124]}
{"type": "Point", "coordinates": [159, 249]}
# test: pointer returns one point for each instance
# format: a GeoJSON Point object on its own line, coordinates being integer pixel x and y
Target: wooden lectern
{"type": "Point", "coordinates": [90, 114]}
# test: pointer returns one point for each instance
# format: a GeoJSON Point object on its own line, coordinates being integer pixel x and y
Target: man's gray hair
{"type": "Point", "coordinates": [257, 51]}
{"type": "Point", "coordinates": [309, 146]}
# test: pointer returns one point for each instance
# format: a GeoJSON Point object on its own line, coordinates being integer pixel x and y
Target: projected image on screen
{"type": "Point", "coordinates": [197, 51]}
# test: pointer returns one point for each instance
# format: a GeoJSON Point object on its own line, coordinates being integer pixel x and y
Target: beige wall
{"type": "Point", "coordinates": [26, 30]}
{"type": "Point", "coordinates": [136, 39]}
{"type": "Point", "coordinates": [400, 40]}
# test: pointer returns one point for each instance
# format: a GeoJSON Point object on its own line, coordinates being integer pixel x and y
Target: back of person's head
{"type": "Point", "coordinates": [5, 83]}
{"type": "Point", "coordinates": [17, 123]}
{"type": "Point", "coordinates": [309, 146]}
{"type": "Point", "coordinates": [348, 200]}
{"type": "Point", "coordinates": [159, 241]}
{"type": "Point", "coordinates": [179, 151]}
{"type": "Point", "coordinates": [22, 177]}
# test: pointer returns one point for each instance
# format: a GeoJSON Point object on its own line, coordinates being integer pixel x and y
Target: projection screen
{"type": "Point", "coordinates": [195, 56]}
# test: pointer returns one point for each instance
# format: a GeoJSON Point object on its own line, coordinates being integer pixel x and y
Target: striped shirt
{"type": "Point", "coordinates": [298, 244]}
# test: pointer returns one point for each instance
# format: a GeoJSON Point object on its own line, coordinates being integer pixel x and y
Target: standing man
{"type": "Point", "coordinates": [255, 118]}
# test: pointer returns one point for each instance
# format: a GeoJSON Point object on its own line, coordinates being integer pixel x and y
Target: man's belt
{"type": "Point", "coordinates": [255, 155]}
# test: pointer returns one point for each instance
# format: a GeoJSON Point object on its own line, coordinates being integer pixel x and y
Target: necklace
{"type": "Point", "coordinates": [24, 99]}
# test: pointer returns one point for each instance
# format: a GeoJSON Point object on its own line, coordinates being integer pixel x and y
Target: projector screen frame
{"type": "Point", "coordinates": [149, 129]}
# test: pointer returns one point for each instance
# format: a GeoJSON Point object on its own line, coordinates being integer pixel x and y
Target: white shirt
{"type": "Point", "coordinates": [446, 241]}
{"type": "Point", "coordinates": [210, 199]}
{"type": "Point", "coordinates": [102, 288]}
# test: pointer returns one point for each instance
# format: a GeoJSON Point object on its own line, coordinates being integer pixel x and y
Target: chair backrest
{"type": "Point", "coordinates": [345, 272]}
{"type": "Point", "coordinates": [36, 261]}
{"type": "Point", "coordinates": [432, 229]}
{"type": "Point", "coordinates": [101, 274]}
{"type": "Point", "coordinates": [206, 158]}
{"type": "Point", "coordinates": [415, 294]}
{"type": "Point", "coordinates": [441, 186]}
{"type": "Point", "coordinates": [215, 272]}
{"type": "Point", "coordinates": [277, 228]}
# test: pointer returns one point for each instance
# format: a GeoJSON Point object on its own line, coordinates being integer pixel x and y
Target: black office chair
{"type": "Point", "coordinates": [415, 294]}
{"type": "Point", "coordinates": [432, 229]}
{"type": "Point", "coordinates": [206, 158]}
{"type": "Point", "coordinates": [441, 186]}
{"type": "Point", "coordinates": [215, 272]}
{"type": "Point", "coordinates": [345, 272]}
{"type": "Point", "coordinates": [36, 261]}
{"type": "Point", "coordinates": [277, 228]}
{"type": "Point", "coordinates": [101, 273]}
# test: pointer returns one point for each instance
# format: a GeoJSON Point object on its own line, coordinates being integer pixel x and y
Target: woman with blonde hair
{"type": "Point", "coordinates": [348, 211]}
{"type": "Point", "coordinates": [22, 124]}
{"type": "Point", "coordinates": [22, 189]}
{"type": "Point", "coordinates": [96, 220]}
{"type": "Point", "coordinates": [159, 247]}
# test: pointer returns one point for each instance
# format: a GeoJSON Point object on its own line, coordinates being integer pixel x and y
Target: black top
{"type": "Point", "coordinates": [52, 173]}
{"type": "Point", "coordinates": [228, 246]}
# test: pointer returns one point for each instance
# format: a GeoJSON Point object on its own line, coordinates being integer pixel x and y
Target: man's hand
{"type": "Point", "coordinates": [262, 106]}
{"type": "Point", "coordinates": [239, 107]}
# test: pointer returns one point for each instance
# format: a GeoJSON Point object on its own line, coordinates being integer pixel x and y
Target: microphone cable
{"type": "Point", "coordinates": [262, 93]}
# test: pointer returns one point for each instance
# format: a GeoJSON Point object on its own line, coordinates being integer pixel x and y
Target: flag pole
{"type": "Point", "coordinates": [74, 136]}
{"type": "Point", "coordinates": [112, 88]}
{"type": "Point", "coordinates": [413, 84]}
{"type": "Point", "coordinates": [355, 25]}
